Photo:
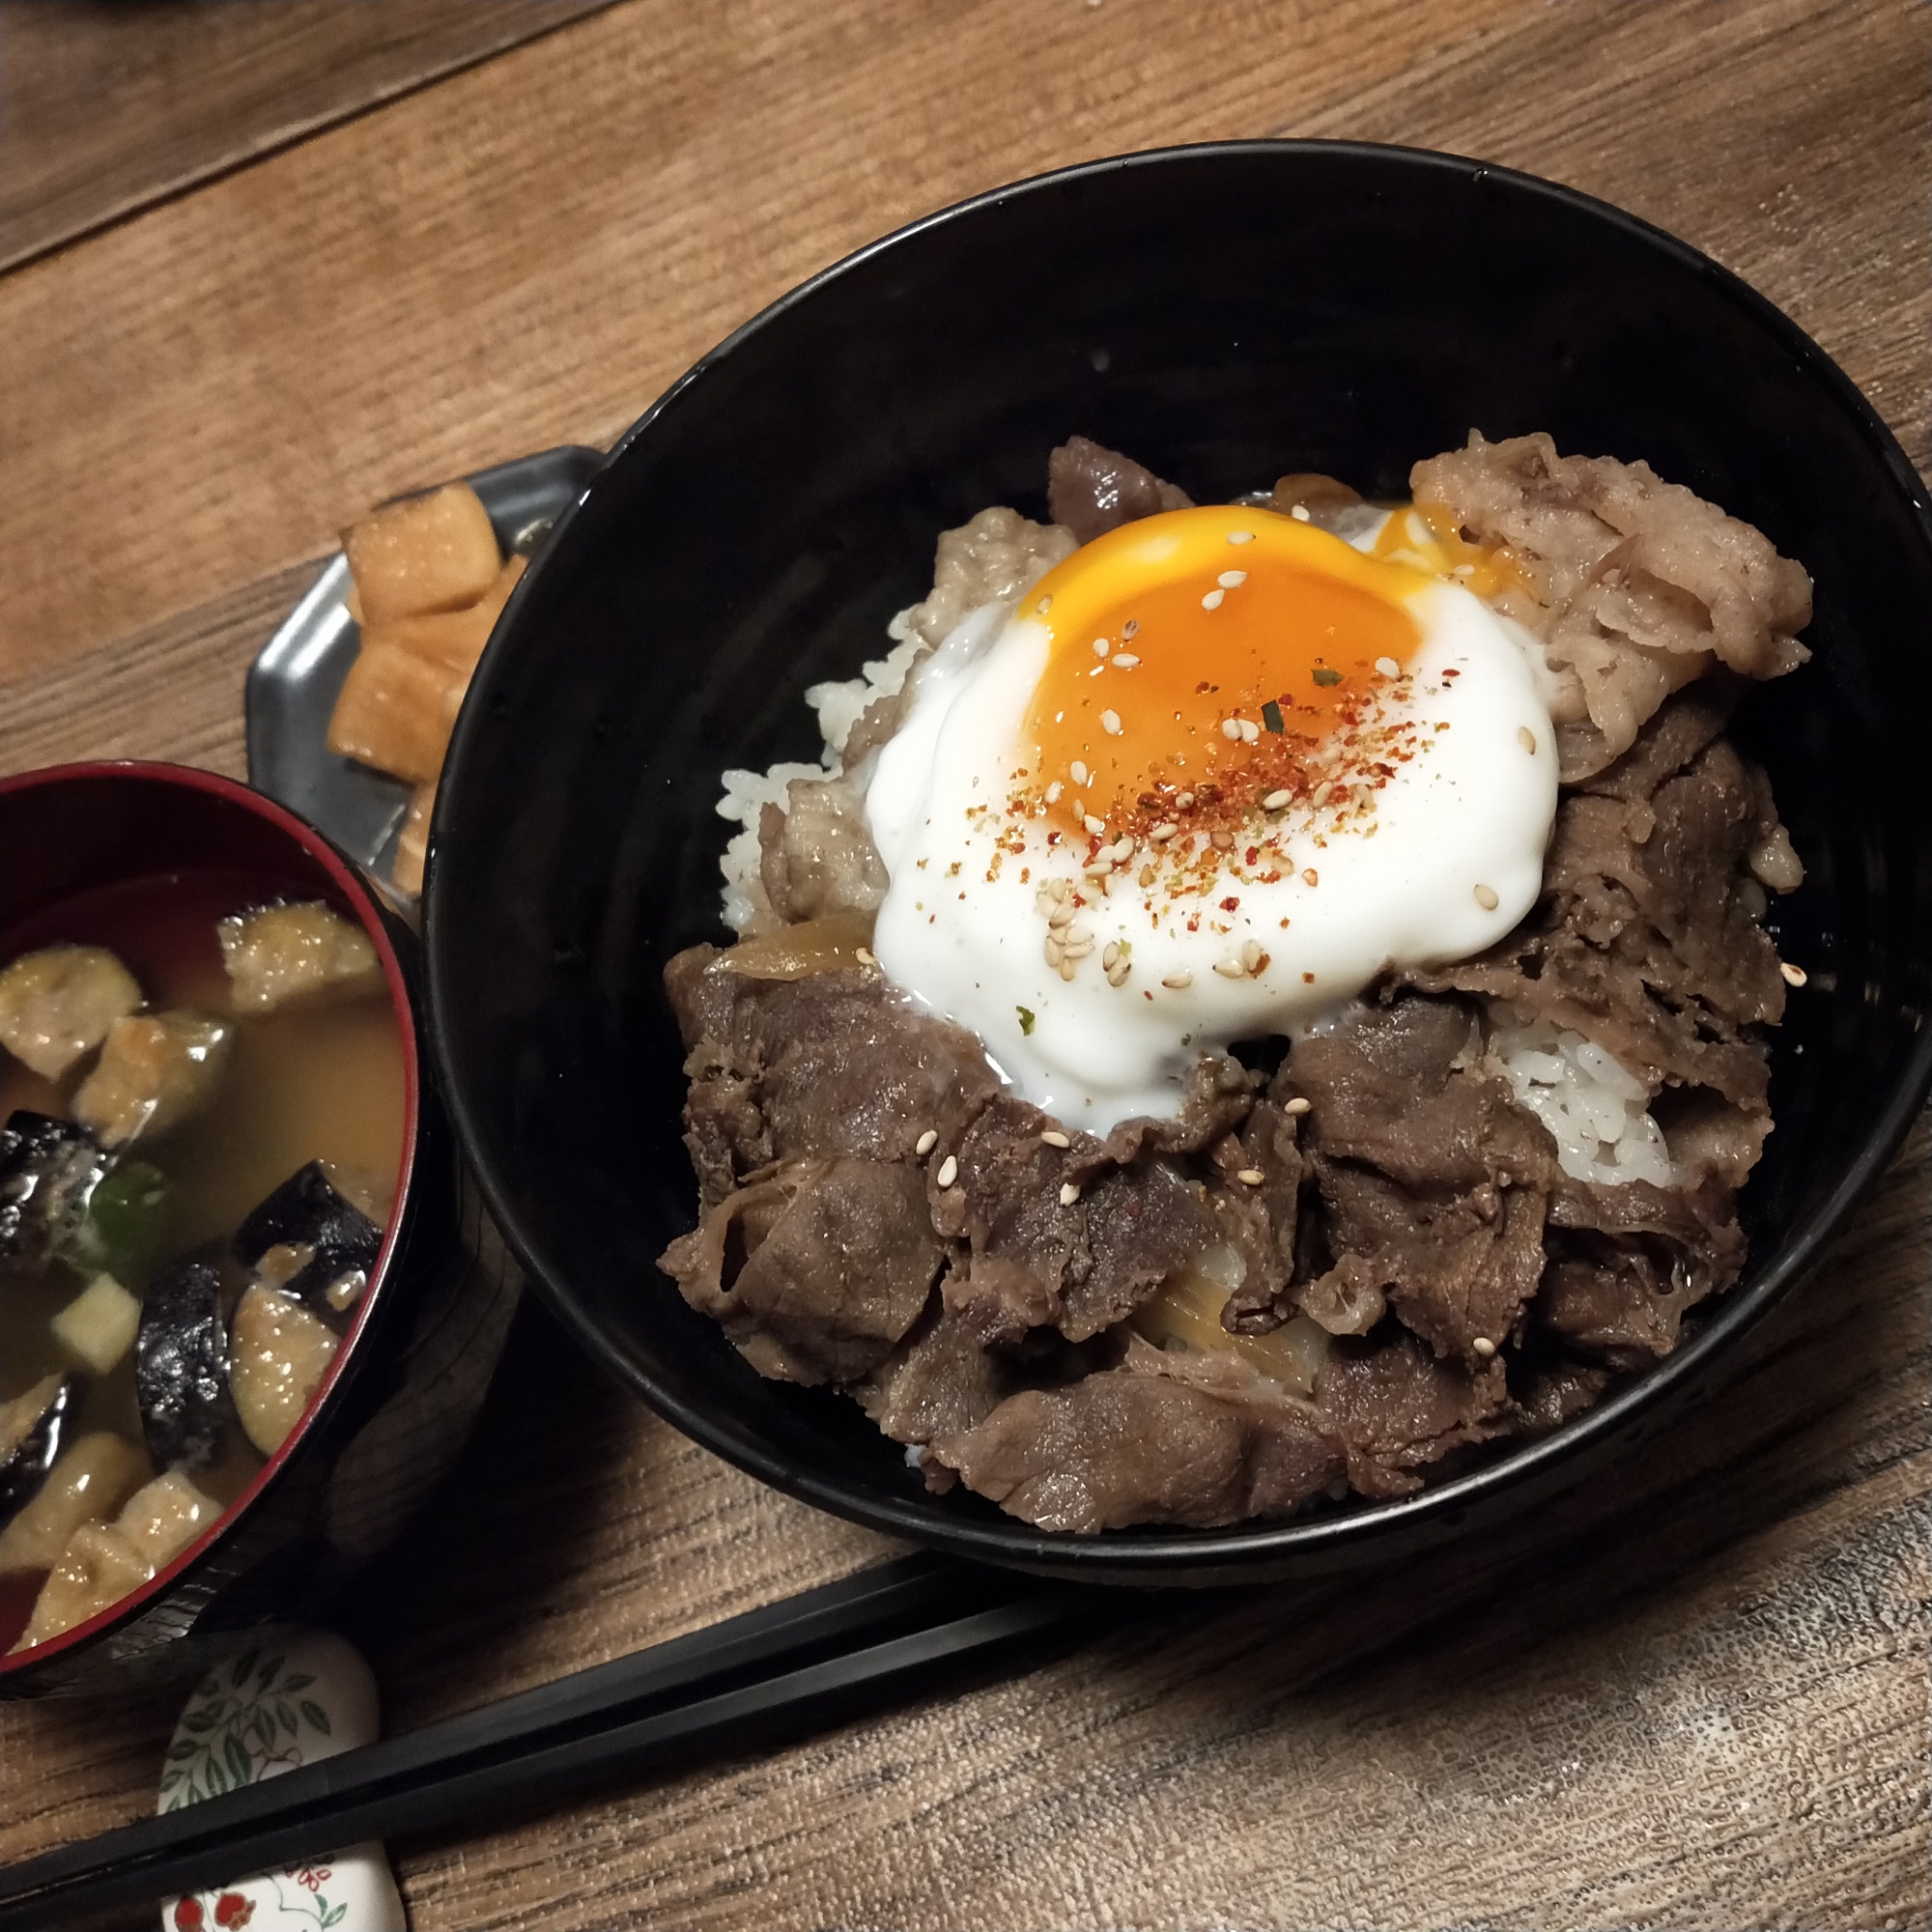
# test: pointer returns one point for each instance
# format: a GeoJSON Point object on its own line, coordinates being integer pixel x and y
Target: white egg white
{"type": "Point", "coordinates": [1454, 861]}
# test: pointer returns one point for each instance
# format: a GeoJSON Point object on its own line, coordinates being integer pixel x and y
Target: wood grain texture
{"type": "Point", "coordinates": [106, 106]}
{"type": "Point", "coordinates": [1701, 1700]}
{"type": "Point", "coordinates": [403, 300]}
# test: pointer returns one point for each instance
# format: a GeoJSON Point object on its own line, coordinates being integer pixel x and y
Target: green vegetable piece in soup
{"type": "Point", "coordinates": [124, 1228]}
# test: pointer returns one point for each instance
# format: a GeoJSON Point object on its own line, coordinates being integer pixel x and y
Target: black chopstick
{"type": "Point", "coordinates": [812, 1659]}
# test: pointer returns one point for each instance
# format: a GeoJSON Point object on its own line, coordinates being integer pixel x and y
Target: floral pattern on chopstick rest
{"type": "Point", "coordinates": [277, 1705]}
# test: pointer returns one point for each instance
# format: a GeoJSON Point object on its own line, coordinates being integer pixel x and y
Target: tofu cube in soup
{"type": "Point", "coordinates": [98, 1326]}
{"type": "Point", "coordinates": [56, 1005]}
{"type": "Point", "coordinates": [431, 553]}
{"type": "Point", "coordinates": [155, 1071]}
{"type": "Point", "coordinates": [396, 712]}
{"type": "Point", "coordinates": [283, 952]}
{"type": "Point", "coordinates": [281, 1354]}
{"type": "Point", "coordinates": [91, 1481]}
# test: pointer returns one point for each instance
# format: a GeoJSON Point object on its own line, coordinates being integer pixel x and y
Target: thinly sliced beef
{"type": "Point", "coordinates": [939, 1381]}
{"type": "Point", "coordinates": [1646, 939]}
{"type": "Point", "coordinates": [1092, 490]}
{"type": "Point", "coordinates": [1396, 1410]}
{"type": "Point", "coordinates": [1037, 1260]}
{"type": "Point", "coordinates": [817, 1271]}
{"type": "Point", "coordinates": [835, 1062]}
{"type": "Point", "coordinates": [995, 558]}
{"type": "Point", "coordinates": [1625, 1263]}
{"type": "Point", "coordinates": [1260, 1219]}
{"type": "Point", "coordinates": [1432, 1177]}
{"type": "Point", "coordinates": [1162, 1438]}
{"type": "Point", "coordinates": [816, 856]}
{"type": "Point", "coordinates": [1634, 586]}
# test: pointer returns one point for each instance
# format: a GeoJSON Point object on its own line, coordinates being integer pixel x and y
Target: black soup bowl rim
{"type": "Point", "coordinates": [1131, 1554]}
{"type": "Point", "coordinates": [349, 1359]}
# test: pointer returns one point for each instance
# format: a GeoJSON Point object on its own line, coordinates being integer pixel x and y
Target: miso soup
{"type": "Point", "coordinates": [201, 1129]}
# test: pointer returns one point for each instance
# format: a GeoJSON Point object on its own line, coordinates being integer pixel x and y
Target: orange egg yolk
{"type": "Point", "coordinates": [1203, 661]}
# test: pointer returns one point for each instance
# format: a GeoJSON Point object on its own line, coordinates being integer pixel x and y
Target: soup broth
{"type": "Point", "coordinates": [317, 1078]}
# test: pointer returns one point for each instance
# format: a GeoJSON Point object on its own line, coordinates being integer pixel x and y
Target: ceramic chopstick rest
{"type": "Point", "coordinates": [279, 1704]}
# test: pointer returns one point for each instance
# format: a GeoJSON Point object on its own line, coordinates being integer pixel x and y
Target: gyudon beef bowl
{"type": "Point", "coordinates": [1215, 915]}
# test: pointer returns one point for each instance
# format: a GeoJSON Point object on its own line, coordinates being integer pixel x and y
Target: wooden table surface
{"type": "Point", "coordinates": [264, 266]}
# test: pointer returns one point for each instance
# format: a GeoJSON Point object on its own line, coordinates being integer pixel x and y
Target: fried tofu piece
{"type": "Point", "coordinates": [283, 952]}
{"type": "Point", "coordinates": [155, 1071]}
{"type": "Point", "coordinates": [56, 1005]}
{"type": "Point", "coordinates": [454, 637]}
{"type": "Point", "coordinates": [97, 1568]}
{"type": "Point", "coordinates": [91, 1479]}
{"type": "Point", "coordinates": [162, 1518]}
{"type": "Point", "coordinates": [431, 553]}
{"type": "Point", "coordinates": [412, 842]}
{"type": "Point", "coordinates": [396, 712]}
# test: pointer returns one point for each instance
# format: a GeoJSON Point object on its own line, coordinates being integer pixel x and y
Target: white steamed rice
{"type": "Point", "coordinates": [839, 706]}
{"type": "Point", "coordinates": [1595, 1108]}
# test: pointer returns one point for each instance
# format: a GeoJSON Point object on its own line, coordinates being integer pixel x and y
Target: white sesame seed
{"type": "Point", "coordinates": [1081, 936]}
{"type": "Point", "coordinates": [1053, 792]}
{"type": "Point", "coordinates": [864, 956]}
{"type": "Point", "coordinates": [1297, 1105]}
{"type": "Point", "coordinates": [1095, 825]}
{"type": "Point", "coordinates": [1177, 983]}
{"type": "Point", "coordinates": [1110, 722]}
{"type": "Point", "coordinates": [1251, 1177]}
{"type": "Point", "coordinates": [1231, 728]}
{"type": "Point", "coordinates": [1388, 666]}
{"type": "Point", "coordinates": [1464, 570]}
{"type": "Point", "coordinates": [1053, 1137]}
{"type": "Point", "coordinates": [1526, 738]}
{"type": "Point", "coordinates": [1300, 515]}
{"type": "Point", "coordinates": [1117, 973]}
{"type": "Point", "coordinates": [1053, 953]}
{"type": "Point", "coordinates": [1112, 952]}
{"type": "Point", "coordinates": [949, 1171]}
{"type": "Point", "coordinates": [1125, 661]}
{"type": "Point", "coordinates": [1130, 630]}
{"type": "Point", "coordinates": [1230, 968]}
{"type": "Point", "coordinates": [1070, 1193]}
{"type": "Point", "coordinates": [1066, 969]}
{"type": "Point", "coordinates": [1165, 829]}
{"type": "Point", "coordinates": [1183, 800]}
{"type": "Point", "coordinates": [1078, 771]}
{"type": "Point", "coordinates": [1230, 580]}
{"type": "Point", "coordinates": [1486, 897]}
{"type": "Point", "coordinates": [1045, 604]}
{"type": "Point", "coordinates": [1122, 848]}
{"type": "Point", "coordinates": [1099, 647]}
{"type": "Point", "coordinates": [1061, 915]}
{"type": "Point", "coordinates": [1146, 876]}
{"type": "Point", "coordinates": [927, 1142]}
{"type": "Point", "coordinates": [1484, 1346]}
{"type": "Point", "coordinates": [1792, 976]}
{"type": "Point", "coordinates": [1250, 732]}
{"type": "Point", "coordinates": [1276, 800]}
{"type": "Point", "coordinates": [1100, 869]}
{"type": "Point", "coordinates": [1212, 599]}
{"type": "Point", "coordinates": [1240, 536]}
{"type": "Point", "coordinates": [1251, 956]}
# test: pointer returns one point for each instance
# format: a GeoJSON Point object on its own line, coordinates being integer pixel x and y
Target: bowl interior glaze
{"type": "Point", "coordinates": [1225, 314]}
